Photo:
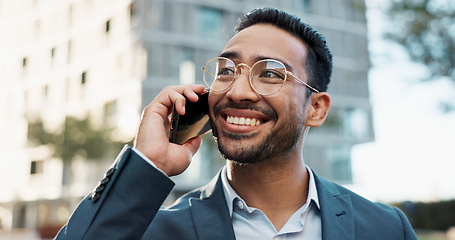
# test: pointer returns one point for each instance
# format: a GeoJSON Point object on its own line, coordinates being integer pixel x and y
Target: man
{"type": "Point", "coordinates": [267, 90]}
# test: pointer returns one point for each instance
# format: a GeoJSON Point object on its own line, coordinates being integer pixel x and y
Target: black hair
{"type": "Point", "coordinates": [319, 59]}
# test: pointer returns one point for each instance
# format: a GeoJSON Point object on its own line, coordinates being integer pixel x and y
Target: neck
{"type": "Point", "coordinates": [277, 187]}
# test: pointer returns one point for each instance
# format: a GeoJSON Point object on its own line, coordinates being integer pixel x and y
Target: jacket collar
{"type": "Point", "coordinates": [210, 213]}
{"type": "Point", "coordinates": [336, 211]}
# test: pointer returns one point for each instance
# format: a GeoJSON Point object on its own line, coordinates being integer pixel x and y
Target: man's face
{"type": "Point", "coordinates": [235, 112]}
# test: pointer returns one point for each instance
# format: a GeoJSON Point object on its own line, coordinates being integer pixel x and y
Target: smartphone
{"type": "Point", "coordinates": [194, 123]}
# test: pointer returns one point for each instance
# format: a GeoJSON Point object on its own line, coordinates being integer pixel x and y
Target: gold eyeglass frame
{"type": "Point", "coordinates": [250, 77]}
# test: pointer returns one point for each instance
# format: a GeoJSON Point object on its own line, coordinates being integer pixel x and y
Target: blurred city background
{"type": "Point", "coordinates": [76, 74]}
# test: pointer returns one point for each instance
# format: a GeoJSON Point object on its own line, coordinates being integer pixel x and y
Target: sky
{"type": "Point", "coordinates": [413, 155]}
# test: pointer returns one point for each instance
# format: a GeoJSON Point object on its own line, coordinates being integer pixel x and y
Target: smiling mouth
{"type": "Point", "coordinates": [243, 121]}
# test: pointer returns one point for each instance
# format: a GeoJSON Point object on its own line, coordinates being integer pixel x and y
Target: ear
{"type": "Point", "coordinates": [317, 112]}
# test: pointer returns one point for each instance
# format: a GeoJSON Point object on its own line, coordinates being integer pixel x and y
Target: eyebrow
{"type": "Point", "coordinates": [230, 55]}
{"type": "Point", "coordinates": [236, 55]}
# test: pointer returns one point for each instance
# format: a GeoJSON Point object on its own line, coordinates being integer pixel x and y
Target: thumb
{"type": "Point", "coordinates": [194, 144]}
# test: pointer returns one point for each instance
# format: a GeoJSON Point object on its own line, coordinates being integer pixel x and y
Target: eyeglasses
{"type": "Point", "coordinates": [266, 76]}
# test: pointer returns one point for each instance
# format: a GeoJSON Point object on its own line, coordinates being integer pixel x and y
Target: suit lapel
{"type": "Point", "coordinates": [212, 221]}
{"type": "Point", "coordinates": [336, 211]}
{"type": "Point", "coordinates": [210, 214]}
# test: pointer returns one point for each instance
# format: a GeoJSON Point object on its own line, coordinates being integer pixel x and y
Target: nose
{"type": "Point", "coordinates": [241, 89]}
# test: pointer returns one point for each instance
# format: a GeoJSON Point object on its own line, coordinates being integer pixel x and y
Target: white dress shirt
{"type": "Point", "coordinates": [251, 223]}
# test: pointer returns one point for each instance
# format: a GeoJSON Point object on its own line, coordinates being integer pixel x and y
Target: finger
{"type": "Point", "coordinates": [189, 92]}
{"type": "Point", "coordinates": [175, 96]}
{"type": "Point", "coordinates": [163, 104]}
{"type": "Point", "coordinates": [193, 91]}
{"type": "Point", "coordinates": [194, 144]}
{"type": "Point", "coordinates": [179, 102]}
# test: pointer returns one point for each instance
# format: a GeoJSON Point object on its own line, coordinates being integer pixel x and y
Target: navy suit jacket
{"type": "Point", "coordinates": [126, 205]}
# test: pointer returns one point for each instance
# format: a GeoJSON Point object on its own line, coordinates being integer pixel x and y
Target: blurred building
{"type": "Point", "coordinates": [105, 60]}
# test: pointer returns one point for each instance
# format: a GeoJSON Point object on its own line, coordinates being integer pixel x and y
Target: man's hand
{"type": "Point", "coordinates": [152, 138]}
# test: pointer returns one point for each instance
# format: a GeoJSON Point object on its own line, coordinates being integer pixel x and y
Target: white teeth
{"type": "Point", "coordinates": [243, 121]}
{"type": "Point", "coordinates": [236, 120]}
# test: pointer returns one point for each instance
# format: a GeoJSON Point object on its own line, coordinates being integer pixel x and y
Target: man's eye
{"type": "Point", "coordinates": [226, 72]}
{"type": "Point", "coordinates": [271, 74]}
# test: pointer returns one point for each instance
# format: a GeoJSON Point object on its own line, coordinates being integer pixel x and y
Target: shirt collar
{"type": "Point", "coordinates": [230, 195]}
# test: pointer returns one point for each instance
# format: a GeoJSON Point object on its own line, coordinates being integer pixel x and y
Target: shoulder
{"type": "Point", "coordinates": [360, 205]}
{"type": "Point", "coordinates": [369, 218]}
{"type": "Point", "coordinates": [177, 219]}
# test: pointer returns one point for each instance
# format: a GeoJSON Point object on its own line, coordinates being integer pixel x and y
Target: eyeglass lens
{"type": "Point", "coordinates": [266, 76]}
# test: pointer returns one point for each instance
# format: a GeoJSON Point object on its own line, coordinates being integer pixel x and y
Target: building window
{"type": "Point", "coordinates": [36, 167]}
{"type": "Point", "coordinates": [24, 62]}
{"type": "Point", "coordinates": [340, 163]}
{"type": "Point", "coordinates": [110, 110]}
{"type": "Point", "coordinates": [211, 23]}
{"type": "Point", "coordinates": [168, 18]}
{"type": "Point", "coordinates": [306, 5]}
{"type": "Point", "coordinates": [19, 216]}
{"type": "Point", "coordinates": [108, 26]}
{"type": "Point", "coordinates": [187, 67]}
{"type": "Point", "coordinates": [46, 91]}
{"type": "Point", "coordinates": [132, 11]}
{"type": "Point", "coordinates": [53, 52]}
{"type": "Point", "coordinates": [83, 78]}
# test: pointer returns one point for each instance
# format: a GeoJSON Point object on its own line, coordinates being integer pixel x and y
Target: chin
{"type": "Point", "coordinates": [241, 152]}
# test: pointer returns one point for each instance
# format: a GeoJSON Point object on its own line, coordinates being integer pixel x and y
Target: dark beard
{"type": "Point", "coordinates": [277, 143]}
